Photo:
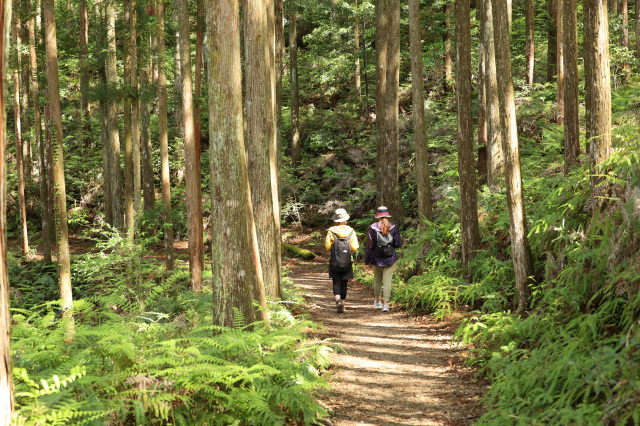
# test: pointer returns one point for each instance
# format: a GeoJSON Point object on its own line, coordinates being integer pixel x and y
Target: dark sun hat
{"type": "Point", "coordinates": [382, 212]}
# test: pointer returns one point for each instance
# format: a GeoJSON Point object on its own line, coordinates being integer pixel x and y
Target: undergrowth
{"type": "Point", "coordinates": [144, 351]}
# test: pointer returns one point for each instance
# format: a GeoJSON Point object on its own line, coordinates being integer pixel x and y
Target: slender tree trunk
{"type": "Point", "coordinates": [193, 189]}
{"type": "Point", "coordinates": [560, 62]}
{"type": "Point", "coordinates": [388, 75]}
{"type": "Point", "coordinates": [48, 164]}
{"type": "Point", "coordinates": [530, 44]}
{"type": "Point", "coordinates": [520, 249]}
{"type": "Point", "coordinates": [279, 27]}
{"type": "Point", "coordinates": [84, 75]}
{"type": "Point", "coordinates": [25, 73]}
{"type": "Point", "coordinates": [293, 85]}
{"type": "Point", "coordinates": [614, 7]}
{"type": "Point", "coordinates": [260, 106]}
{"type": "Point", "coordinates": [466, 167]}
{"type": "Point", "coordinates": [128, 136]}
{"type": "Point", "coordinates": [60, 194]}
{"type": "Point", "coordinates": [148, 193]}
{"type": "Point", "coordinates": [482, 96]}
{"type": "Point", "coordinates": [135, 109]}
{"type": "Point", "coordinates": [495, 159]}
{"type": "Point", "coordinates": [236, 269]}
{"type": "Point", "coordinates": [356, 54]}
{"type": "Point", "coordinates": [417, 94]}
{"type": "Point", "coordinates": [625, 23]}
{"type": "Point", "coordinates": [104, 121]}
{"type": "Point", "coordinates": [598, 86]}
{"type": "Point", "coordinates": [112, 114]}
{"type": "Point", "coordinates": [551, 40]}
{"type": "Point", "coordinates": [448, 60]}
{"type": "Point", "coordinates": [587, 75]}
{"type": "Point", "coordinates": [22, 203]}
{"type": "Point", "coordinates": [364, 64]}
{"type": "Point", "coordinates": [6, 359]}
{"type": "Point", "coordinates": [198, 85]}
{"type": "Point", "coordinates": [571, 100]}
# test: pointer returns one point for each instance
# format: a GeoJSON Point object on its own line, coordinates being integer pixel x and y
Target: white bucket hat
{"type": "Point", "coordinates": [340, 216]}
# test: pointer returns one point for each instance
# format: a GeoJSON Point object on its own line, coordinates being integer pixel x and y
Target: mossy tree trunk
{"type": "Point", "coordinates": [237, 275]}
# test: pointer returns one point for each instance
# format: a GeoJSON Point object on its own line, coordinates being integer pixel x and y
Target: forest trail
{"type": "Point", "coordinates": [398, 369]}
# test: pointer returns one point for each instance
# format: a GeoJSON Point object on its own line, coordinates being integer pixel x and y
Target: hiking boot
{"type": "Point", "coordinates": [377, 304]}
{"type": "Point", "coordinates": [340, 306]}
{"type": "Point", "coordinates": [385, 308]}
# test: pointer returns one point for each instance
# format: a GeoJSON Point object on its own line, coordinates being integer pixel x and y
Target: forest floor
{"type": "Point", "coordinates": [393, 369]}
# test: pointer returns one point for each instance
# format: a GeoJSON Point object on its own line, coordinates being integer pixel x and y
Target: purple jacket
{"type": "Point", "coordinates": [370, 258]}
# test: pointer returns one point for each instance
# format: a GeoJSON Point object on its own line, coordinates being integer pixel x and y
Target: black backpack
{"type": "Point", "coordinates": [384, 245]}
{"type": "Point", "coordinates": [340, 260]}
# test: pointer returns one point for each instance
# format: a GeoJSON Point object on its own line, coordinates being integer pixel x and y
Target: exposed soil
{"type": "Point", "coordinates": [396, 368]}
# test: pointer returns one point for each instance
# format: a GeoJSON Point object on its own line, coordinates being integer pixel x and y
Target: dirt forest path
{"type": "Point", "coordinates": [398, 369]}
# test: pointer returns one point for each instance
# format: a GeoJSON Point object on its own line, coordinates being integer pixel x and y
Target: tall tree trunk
{"type": "Point", "coordinates": [192, 161]}
{"type": "Point", "coordinates": [112, 114]}
{"type": "Point", "coordinates": [587, 75]}
{"type": "Point", "coordinates": [279, 27]}
{"type": "Point", "coordinates": [625, 23]}
{"type": "Point", "coordinates": [417, 95]}
{"type": "Point", "coordinates": [598, 85]}
{"type": "Point", "coordinates": [148, 190]}
{"type": "Point", "coordinates": [482, 96]}
{"type": "Point", "coordinates": [84, 74]}
{"type": "Point", "coordinates": [530, 44]}
{"type": "Point", "coordinates": [364, 65]}
{"type": "Point", "coordinates": [560, 64]}
{"type": "Point", "coordinates": [236, 270]}
{"type": "Point", "coordinates": [47, 220]}
{"type": "Point", "coordinates": [495, 159]}
{"type": "Point", "coordinates": [356, 54]}
{"type": "Point", "coordinates": [60, 194]}
{"type": "Point", "coordinates": [614, 7]}
{"type": "Point", "coordinates": [135, 108]}
{"type": "Point", "coordinates": [198, 83]}
{"type": "Point", "coordinates": [388, 75]}
{"type": "Point", "coordinates": [128, 135]}
{"type": "Point", "coordinates": [293, 86]}
{"type": "Point", "coordinates": [25, 73]}
{"type": "Point", "coordinates": [260, 110]}
{"type": "Point", "coordinates": [448, 60]}
{"type": "Point", "coordinates": [551, 40]}
{"type": "Point", "coordinates": [22, 203]}
{"type": "Point", "coordinates": [6, 359]}
{"type": "Point", "coordinates": [520, 249]}
{"type": "Point", "coordinates": [466, 167]}
{"type": "Point", "coordinates": [104, 121]}
{"type": "Point", "coordinates": [48, 167]}
{"type": "Point", "coordinates": [571, 100]}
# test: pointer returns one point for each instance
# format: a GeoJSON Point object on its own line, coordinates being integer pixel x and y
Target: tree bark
{"type": "Point", "coordinates": [148, 193]}
{"type": "Point", "coordinates": [481, 165]}
{"type": "Point", "coordinates": [279, 27]}
{"type": "Point", "coordinates": [466, 167]}
{"type": "Point", "coordinates": [530, 48]}
{"type": "Point", "coordinates": [551, 40]}
{"type": "Point", "coordinates": [419, 131]}
{"type": "Point", "coordinates": [22, 203]}
{"type": "Point", "coordinates": [560, 64]}
{"type": "Point", "coordinates": [135, 108]}
{"type": "Point", "coordinates": [625, 23]}
{"type": "Point", "coordinates": [388, 74]}
{"type": "Point", "coordinates": [637, 21]}
{"type": "Point", "coordinates": [112, 114]}
{"type": "Point", "coordinates": [598, 85]}
{"type": "Point", "coordinates": [84, 75]}
{"type": "Point", "coordinates": [293, 85]}
{"type": "Point", "coordinates": [25, 65]}
{"type": "Point", "coordinates": [356, 53]}
{"type": "Point", "coordinates": [6, 359]}
{"type": "Point", "coordinates": [128, 134]}
{"type": "Point", "coordinates": [198, 85]}
{"type": "Point", "coordinates": [104, 121]}
{"type": "Point", "coordinates": [495, 159]}
{"type": "Point", "coordinates": [260, 134]}
{"type": "Point", "coordinates": [571, 81]}
{"type": "Point", "coordinates": [448, 60]}
{"type": "Point", "coordinates": [60, 194]}
{"type": "Point", "coordinates": [192, 161]}
{"type": "Point", "coordinates": [236, 270]}
{"type": "Point", "coordinates": [520, 249]}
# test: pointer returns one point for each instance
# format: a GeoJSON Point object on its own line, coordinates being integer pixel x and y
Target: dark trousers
{"type": "Point", "coordinates": [340, 287]}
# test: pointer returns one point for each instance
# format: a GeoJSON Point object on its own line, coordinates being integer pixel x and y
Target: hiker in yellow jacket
{"type": "Point", "coordinates": [340, 238]}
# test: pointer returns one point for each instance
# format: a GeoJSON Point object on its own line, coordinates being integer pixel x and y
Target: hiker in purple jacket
{"type": "Point", "coordinates": [382, 241]}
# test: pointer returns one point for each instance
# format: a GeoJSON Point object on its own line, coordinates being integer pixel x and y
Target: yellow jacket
{"type": "Point", "coordinates": [342, 231]}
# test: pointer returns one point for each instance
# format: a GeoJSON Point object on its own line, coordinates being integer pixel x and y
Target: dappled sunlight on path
{"type": "Point", "coordinates": [394, 370]}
